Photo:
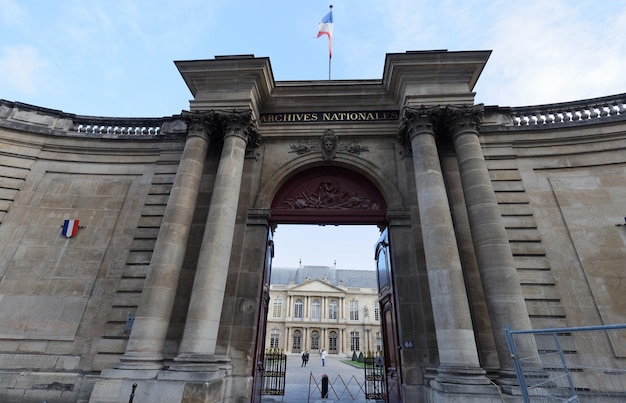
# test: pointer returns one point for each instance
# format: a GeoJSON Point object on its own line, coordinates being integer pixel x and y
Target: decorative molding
{"type": "Point", "coordinates": [331, 195]}
{"type": "Point", "coordinates": [353, 148]}
{"type": "Point", "coordinates": [302, 149]}
{"type": "Point", "coordinates": [328, 145]}
{"type": "Point", "coordinates": [328, 194]}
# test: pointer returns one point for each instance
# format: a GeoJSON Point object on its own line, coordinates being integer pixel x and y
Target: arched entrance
{"type": "Point", "coordinates": [330, 195]}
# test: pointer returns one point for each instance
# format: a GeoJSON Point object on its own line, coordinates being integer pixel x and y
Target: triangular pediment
{"type": "Point", "coordinates": [316, 286]}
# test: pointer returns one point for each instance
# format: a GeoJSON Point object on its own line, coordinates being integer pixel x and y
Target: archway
{"type": "Point", "coordinates": [329, 195]}
{"type": "Point", "coordinates": [326, 195]}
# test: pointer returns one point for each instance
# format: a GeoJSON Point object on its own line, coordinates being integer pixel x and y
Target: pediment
{"type": "Point", "coordinates": [316, 286]}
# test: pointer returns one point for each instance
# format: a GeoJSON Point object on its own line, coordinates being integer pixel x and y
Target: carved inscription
{"type": "Point", "coordinates": [322, 117]}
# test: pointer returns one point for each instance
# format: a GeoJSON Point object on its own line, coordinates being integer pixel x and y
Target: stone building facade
{"type": "Point", "coordinates": [315, 308]}
{"type": "Point", "coordinates": [491, 216]}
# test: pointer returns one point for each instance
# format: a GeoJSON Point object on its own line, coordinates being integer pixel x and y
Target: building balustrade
{"type": "Point", "coordinates": [141, 127]}
{"type": "Point", "coordinates": [52, 121]}
{"type": "Point", "coordinates": [567, 112]}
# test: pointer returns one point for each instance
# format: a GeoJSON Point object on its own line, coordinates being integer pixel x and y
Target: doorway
{"type": "Point", "coordinates": [315, 303]}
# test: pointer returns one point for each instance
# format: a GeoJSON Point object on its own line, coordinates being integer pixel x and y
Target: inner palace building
{"type": "Point", "coordinates": [315, 308]}
{"type": "Point", "coordinates": [135, 253]}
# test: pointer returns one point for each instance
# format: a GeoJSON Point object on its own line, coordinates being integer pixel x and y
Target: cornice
{"type": "Point", "coordinates": [228, 82]}
{"type": "Point", "coordinates": [433, 77]}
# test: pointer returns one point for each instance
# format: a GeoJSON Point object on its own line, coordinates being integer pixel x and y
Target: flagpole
{"type": "Point", "coordinates": [330, 48]}
{"type": "Point", "coordinates": [326, 28]}
{"type": "Point", "coordinates": [329, 59]}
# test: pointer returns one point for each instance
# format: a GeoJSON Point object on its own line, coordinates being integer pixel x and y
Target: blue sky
{"type": "Point", "coordinates": [115, 57]}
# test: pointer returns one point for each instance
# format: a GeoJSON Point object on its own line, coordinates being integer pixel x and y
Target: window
{"type": "Point", "coordinates": [332, 310]}
{"type": "Point", "coordinates": [354, 341]}
{"type": "Point", "coordinates": [315, 340]}
{"type": "Point", "coordinates": [354, 310]}
{"type": "Point", "coordinates": [274, 338]}
{"type": "Point", "coordinates": [297, 311]}
{"type": "Point", "coordinates": [379, 342]}
{"type": "Point", "coordinates": [278, 308]}
{"type": "Point", "coordinates": [297, 341]}
{"type": "Point", "coordinates": [315, 310]}
{"type": "Point", "coordinates": [376, 311]}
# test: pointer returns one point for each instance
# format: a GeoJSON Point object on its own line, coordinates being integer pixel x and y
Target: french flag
{"type": "Point", "coordinates": [70, 228]}
{"type": "Point", "coordinates": [326, 28]}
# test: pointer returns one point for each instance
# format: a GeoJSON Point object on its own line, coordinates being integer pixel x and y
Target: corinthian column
{"type": "Point", "coordinates": [458, 355]}
{"type": "Point", "coordinates": [145, 345]}
{"type": "Point", "coordinates": [207, 296]}
{"type": "Point", "coordinates": [503, 291]}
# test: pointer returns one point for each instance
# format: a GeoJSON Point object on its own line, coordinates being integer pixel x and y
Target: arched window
{"type": "Point", "coordinates": [298, 309]}
{"type": "Point", "coordinates": [332, 310]}
{"type": "Point", "coordinates": [316, 310]}
{"type": "Point", "coordinates": [332, 342]}
{"type": "Point", "coordinates": [315, 340]}
{"type": "Point", "coordinates": [297, 341]}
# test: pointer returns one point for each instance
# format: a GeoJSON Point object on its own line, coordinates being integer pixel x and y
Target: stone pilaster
{"type": "Point", "coordinates": [501, 283]}
{"type": "Point", "coordinates": [197, 348]}
{"type": "Point", "coordinates": [458, 356]}
{"type": "Point", "coordinates": [145, 345]}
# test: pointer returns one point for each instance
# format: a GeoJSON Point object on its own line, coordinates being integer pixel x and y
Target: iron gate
{"type": "Point", "coordinates": [275, 367]}
{"type": "Point", "coordinates": [374, 378]}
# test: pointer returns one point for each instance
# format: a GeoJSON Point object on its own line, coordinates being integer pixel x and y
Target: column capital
{"type": "Point", "coordinates": [215, 125]}
{"type": "Point", "coordinates": [422, 119]}
{"type": "Point", "coordinates": [443, 122]}
{"type": "Point", "coordinates": [464, 118]}
{"type": "Point", "coordinates": [197, 123]}
{"type": "Point", "coordinates": [238, 123]}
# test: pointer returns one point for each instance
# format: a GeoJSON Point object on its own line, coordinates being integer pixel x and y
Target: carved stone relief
{"type": "Point", "coordinates": [328, 144]}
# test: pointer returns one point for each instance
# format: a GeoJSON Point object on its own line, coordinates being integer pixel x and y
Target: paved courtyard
{"type": "Point", "coordinates": [303, 384]}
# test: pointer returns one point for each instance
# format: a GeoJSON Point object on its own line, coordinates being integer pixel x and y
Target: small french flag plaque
{"type": "Point", "coordinates": [70, 228]}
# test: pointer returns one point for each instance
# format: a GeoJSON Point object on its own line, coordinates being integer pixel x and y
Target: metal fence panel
{"type": "Point", "coordinates": [576, 364]}
{"type": "Point", "coordinates": [274, 375]}
{"type": "Point", "coordinates": [374, 378]}
{"type": "Point", "coordinates": [339, 389]}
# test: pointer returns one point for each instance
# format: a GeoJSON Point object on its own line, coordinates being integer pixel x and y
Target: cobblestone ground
{"type": "Point", "coordinates": [303, 384]}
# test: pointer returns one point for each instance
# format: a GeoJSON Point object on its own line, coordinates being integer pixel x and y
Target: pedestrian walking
{"type": "Point", "coordinates": [323, 358]}
{"type": "Point", "coordinates": [305, 358]}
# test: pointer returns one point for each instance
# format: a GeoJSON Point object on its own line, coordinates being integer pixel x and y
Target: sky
{"type": "Point", "coordinates": [115, 57]}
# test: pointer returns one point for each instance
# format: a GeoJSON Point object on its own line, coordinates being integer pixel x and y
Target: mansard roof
{"type": "Point", "coordinates": [331, 275]}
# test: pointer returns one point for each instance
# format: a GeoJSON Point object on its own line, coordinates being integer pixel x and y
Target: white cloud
{"type": "Point", "coordinates": [546, 52]}
{"type": "Point", "coordinates": [23, 70]}
{"type": "Point", "coordinates": [543, 52]}
{"type": "Point", "coordinates": [11, 13]}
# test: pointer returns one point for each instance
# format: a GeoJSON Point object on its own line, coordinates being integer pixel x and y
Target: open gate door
{"type": "Point", "coordinates": [391, 350]}
{"type": "Point", "coordinates": [259, 368]}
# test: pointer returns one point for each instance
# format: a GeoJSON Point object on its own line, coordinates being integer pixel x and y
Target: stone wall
{"type": "Point", "coordinates": [558, 173]}
{"type": "Point", "coordinates": [65, 301]}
